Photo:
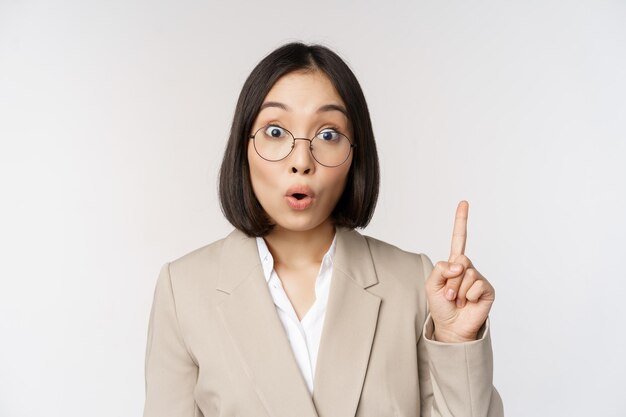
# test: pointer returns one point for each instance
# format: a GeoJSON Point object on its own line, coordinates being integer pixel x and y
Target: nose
{"type": "Point", "coordinates": [301, 158]}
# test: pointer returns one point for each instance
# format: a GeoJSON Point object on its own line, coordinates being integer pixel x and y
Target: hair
{"type": "Point", "coordinates": [238, 201]}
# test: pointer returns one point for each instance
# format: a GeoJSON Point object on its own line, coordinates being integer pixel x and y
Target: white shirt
{"type": "Point", "coordinates": [304, 336]}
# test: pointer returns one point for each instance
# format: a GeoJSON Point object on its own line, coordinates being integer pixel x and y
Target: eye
{"type": "Point", "coordinates": [274, 131]}
{"type": "Point", "coordinates": [328, 135]}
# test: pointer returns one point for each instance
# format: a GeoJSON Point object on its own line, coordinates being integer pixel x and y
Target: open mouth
{"type": "Point", "coordinates": [300, 198]}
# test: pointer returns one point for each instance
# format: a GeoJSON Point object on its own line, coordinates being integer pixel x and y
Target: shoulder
{"type": "Point", "coordinates": [391, 265]}
{"type": "Point", "coordinates": [390, 257]}
{"type": "Point", "coordinates": [200, 258]}
{"type": "Point", "coordinates": [198, 270]}
{"type": "Point", "coordinates": [401, 276]}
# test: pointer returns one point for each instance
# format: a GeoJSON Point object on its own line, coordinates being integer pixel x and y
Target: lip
{"type": "Point", "coordinates": [303, 203]}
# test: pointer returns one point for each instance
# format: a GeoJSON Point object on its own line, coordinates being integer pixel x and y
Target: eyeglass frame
{"type": "Point", "coordinates": [293, 145]}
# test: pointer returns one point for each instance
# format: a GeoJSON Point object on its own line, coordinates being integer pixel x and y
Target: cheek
{"type": "Point", "coordinates": [261, 175]}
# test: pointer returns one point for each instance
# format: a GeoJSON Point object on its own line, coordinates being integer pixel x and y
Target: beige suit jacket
{"type": "Point", "coordinates": [216, 346]}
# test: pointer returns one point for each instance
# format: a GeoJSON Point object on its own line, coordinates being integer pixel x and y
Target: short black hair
{"type": "Point", "coordinates": [356, 205]}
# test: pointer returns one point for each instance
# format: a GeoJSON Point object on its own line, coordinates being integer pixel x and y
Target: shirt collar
{"type": "Point", "coordinates": [267, 260]}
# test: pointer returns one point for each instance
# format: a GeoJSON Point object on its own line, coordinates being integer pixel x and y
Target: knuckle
{"type": "Point", "coordinates": [462, 259]}
{"type": "Point", "coordinates": [465, 286]}
{"type": "Point", "coordinates": [462, 292]}
{"type": "Point", "coordinates": [454, 283]}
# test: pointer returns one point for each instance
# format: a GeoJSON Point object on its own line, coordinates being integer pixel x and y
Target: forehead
{"type": "Point", "coordinates": [304, 91]}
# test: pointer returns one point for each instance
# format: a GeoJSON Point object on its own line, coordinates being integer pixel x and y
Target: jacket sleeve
{"type": "Point", "coordinates": [456, 379]}
{"type": "Point", "coordinates": [170, 370]}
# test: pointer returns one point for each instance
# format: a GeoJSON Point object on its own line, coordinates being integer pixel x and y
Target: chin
{"type": "Point", "coordinates": [299, 223]}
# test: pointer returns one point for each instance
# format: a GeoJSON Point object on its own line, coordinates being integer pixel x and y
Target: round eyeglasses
{"type": "Point", "coordinates": [329, 147]}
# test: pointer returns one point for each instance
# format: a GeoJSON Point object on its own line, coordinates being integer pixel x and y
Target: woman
{"type": "Point", "coordinates": [295, 313]}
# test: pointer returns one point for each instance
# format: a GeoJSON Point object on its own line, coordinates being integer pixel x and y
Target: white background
{"type": "Point", "coordinates": [113, 120]}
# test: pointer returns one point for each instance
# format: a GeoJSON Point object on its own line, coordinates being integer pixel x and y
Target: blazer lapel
{"type": "Point", "coordinates": [250, 318]}
{"type": "Point", "coordinates": [349, 327]}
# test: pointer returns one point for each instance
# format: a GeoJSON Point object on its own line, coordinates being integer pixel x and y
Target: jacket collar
{"type": "Point", "coordinates": [240, 257]}
{"type": "Point", "coordinates": [249, 315]}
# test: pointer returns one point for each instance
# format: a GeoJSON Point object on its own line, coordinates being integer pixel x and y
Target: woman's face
{"type": "Point", "coordinates": [299, 102]}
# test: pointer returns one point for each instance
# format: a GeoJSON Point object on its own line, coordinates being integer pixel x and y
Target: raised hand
{"type": "Point", "coordinates": [458, 295]}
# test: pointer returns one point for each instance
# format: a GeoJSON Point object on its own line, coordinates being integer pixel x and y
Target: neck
{"type": "Point", "coordinates": [299, 248]}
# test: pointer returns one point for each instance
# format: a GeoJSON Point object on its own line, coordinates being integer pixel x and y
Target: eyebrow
{"type": "Point", "coordinates": [324, 108]}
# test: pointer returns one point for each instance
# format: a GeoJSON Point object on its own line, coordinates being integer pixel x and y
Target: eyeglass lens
{"type": "Point", "coordinates": [328, 147]}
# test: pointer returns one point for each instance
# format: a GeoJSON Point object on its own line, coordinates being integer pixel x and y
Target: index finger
{"type": "Point", "coordinates": [459, 232]}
